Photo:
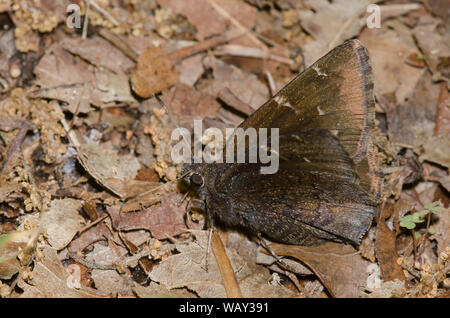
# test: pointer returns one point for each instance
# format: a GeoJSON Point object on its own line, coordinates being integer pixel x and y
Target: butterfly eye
{"type": "Point", "coordinates": [196, 179]}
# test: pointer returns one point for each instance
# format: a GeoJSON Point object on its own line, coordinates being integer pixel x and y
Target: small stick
{"type": "Point", "coordinates": [120, 44]}
{"type": "Point", "coordinates": [86, 19]}
{"type": "Point", "coordinates": [12, 153]}
{"type": "Point", "coordinates": [442, 112]}
{"type": "Point", "coordinates": [180, 54]}
{"type": "Point", "coordinates": [89, 264]}
{"type": "Point", "coordinates": [104, 12]}
{"type": "Point", "coordinates": [272, 86]}
{"type": "Point", "coordinates": [226, 15]}
{"type": "Point", "coordinates": [228, 279]}
{"type": "Point", "coordinates": [88, 226]}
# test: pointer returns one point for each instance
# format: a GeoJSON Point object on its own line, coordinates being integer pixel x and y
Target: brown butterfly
{"type": "Point", "coordinates": [327, 186]}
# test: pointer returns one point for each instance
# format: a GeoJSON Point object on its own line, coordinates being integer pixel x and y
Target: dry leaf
{"type": "Point", "coordinates": [49, 279]}
{"type": "Point", "coordinates": [388, 49]}
{"type": "Point", "coordinates": [190, 69]}
{"type": "Point", "coordinates": [247, 87]}
{"type": "Point", "coordinates": [339, 267]}
{"type": "Point", "coordinates": [189, 104]}
{"type": "Point", "coordinates": [412, 123]}
{"type": "Point", "coordinates": [115, 87]}
{"type": "Point", "coordinates": [153, 73]}
{"type": "Point", "coordinates": [344, 20]}
{"type": "Point", "coordinates": [186, 269]}
{"type": "Point", "coordinates": [98, 52]}
{"type": "Point", "coordinates": [61, 222]}
{"type": "Point", "coordinates": [164, 220]}
{"type": "Point", "coordinates": [114, 172]}
{"type": "Point", "coordinates": [434, 43]}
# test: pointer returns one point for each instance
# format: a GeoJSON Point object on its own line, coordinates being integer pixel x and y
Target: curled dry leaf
{"type": "Point", "coordinates": [338, 266]}
{"type": "Point", "coordinates": [153, 73]}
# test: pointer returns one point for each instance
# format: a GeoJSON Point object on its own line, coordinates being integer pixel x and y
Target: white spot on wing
{"type": "Point", "coordinates": [319, 72]}
{"type": "Point", "coordinates": [321, 112]}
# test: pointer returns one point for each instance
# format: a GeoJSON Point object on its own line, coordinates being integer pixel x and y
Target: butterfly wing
{"type": "Point", "coordinates": [326, 115]}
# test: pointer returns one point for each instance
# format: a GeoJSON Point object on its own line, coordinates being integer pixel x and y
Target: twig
{"type": "Point", "coordinates": [90, 264]}
{"type": "Point", "coordinates": [120, 44]}
{"type": "Point", "coordinates": [239, 50]}
{"type": "Point", "coordinates": [86, 19]}
{"type": "Point", "coordinates": [180, 54]}
{"type": "Point", "coordinates": [226, 15]}
{"type": "Point", "coordinates": [442, 112]}
{"type": "Point", "coordinates": [13, 149]}
{"type": "Point", "coordinates": [228, 279]}
{"type": "Point", "coordinates": [104, 12]}
{"type": "Point", "coordinates": [88, 226]}
{"type": "Point", "coordinates": [272, 86]}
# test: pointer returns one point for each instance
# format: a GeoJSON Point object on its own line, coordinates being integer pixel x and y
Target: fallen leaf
{"type": "Point", "coordinates": [437, 150]}
{"type": "Point", "coordinates": [434, 41]}
{"type": "Point", "coordinates": [186, 269]}
{"type": "Point", "coordinates": [388, 50]}
{"type": "Point", "coordinates": [190, 69]}
{"type": "Point", "coordinates": [412, 123]}
{"type": "Point", "coordinates": [155, 290]}
{"type": "Point", "coordinates": [189, 104]}
{"type": "Point", "coordinates": [153, 73]}
{"type": "Point", "coordinates": [61, 222]}
{"type": "Point", "coordinates": [208, 20]}
{"type": "Point", "coordinates": [247, 87]}
{"type": "Point", "coordinates": [115, 87]}
{"type": "Point", "coordinates": [98, 52]}
{"type": "Point", "coordinates": [49, 279]}
{"type": "Point", "coordinates": [164, 220]}
{"type": "Point", "coordinates": [109, 282]}
{"type": "Point", "coordinates": [344, 20]}
{"type": "Point", "coordinates": [114, 172]}
{"type": "Point", "coordinates": [338, 266]}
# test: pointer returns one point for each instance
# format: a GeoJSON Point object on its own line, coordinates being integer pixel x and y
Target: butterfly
{"type": "Point", "coordinates": [327, 186]}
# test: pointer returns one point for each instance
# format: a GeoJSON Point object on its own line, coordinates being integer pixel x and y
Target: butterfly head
{"type": "Point", "coordinates": [194, 178]}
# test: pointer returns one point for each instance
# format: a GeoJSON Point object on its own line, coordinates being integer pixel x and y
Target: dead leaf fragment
{"type": "Point", "coordinates": [189, 104]}
{"type": "Point", "coordinates": [61, 222]}
{"type": "Point", "coordinates": [153, 73]}
{"type": "Point", "coordinates": [164, 220]}
{"type": "Point", "coordinates": [186, 269]}
{"type": "Point", "coordinates": [338, 266]}
{"type": "Point", "coordinates": [49, 279]}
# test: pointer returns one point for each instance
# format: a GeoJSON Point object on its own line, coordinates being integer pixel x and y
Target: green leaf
{"type": "Point", "coordinates": [431, 231]}
{"type": "Point", "coordinates": [417, 234]}
{"type": "Point", "coordinates": [407, 221]}
{"type": "Point", "coordinates": [417, 218]}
